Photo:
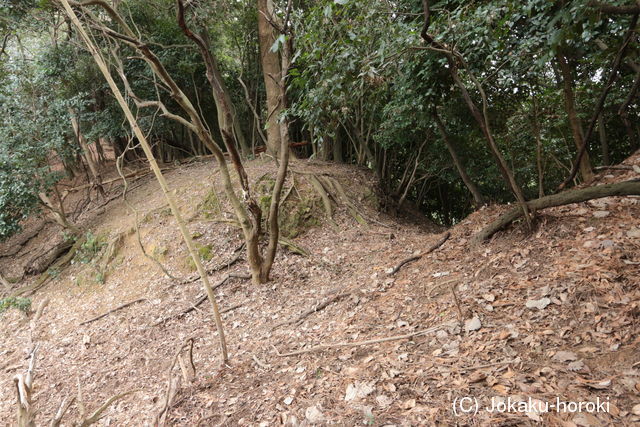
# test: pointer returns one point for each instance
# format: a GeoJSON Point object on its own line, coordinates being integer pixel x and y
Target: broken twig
{"type": "Point", "coordinates": [361, 343]}
{"type": "Point", "coordinates": [314, 309]}
{"type": "Point", "coordinates": [112, 311]}
{"type": "Point", "coordinates": [432, 248]}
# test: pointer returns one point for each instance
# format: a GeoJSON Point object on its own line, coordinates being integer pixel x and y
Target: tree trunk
{"type": "Point", "coordinates": [337, 149]}
{"type": "Point", "coordinates": [227, 117]}
{"type": "Point", "coordinates": [481, 117]}
{"type": "Point", "coordinates": [95, 173]}
{"type": "Point", "coordinates": [152, 162]}
{"type": "Point", "coordinates": [604, 144]}
{"type": "Point", "coordinates": [58, 213]}
{"type": "Point", "coordinates": [271, 72]}
{"type": "Point", "coordinates": [477, 196]}
{"type": "Point", "coordinates": [634, 141]}
{"type": "Point", "coordinates": [574, 120]}
{"type": "Point", "coordinates": [536, 134]}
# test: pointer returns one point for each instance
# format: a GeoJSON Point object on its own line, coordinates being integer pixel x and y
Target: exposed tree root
{"type": "Point", "coordinates": [627, 188]}
{"type": "Point", "coordinates": [4, 282]}
{"type": "Point", "coordinates": [316, 308]}
{"type": "Point", "coordinates": [112, 311]}
{"type": "Point", "coordinates": [44, 277]}
{"type": "Point", "coordinates": [22, 240]}
{"type": "Point", "coordinates": [431, 248]}
{"type": "Point", "coordinates": [42, 261]}
{"type": "Point", "coordinates": [292, 247]}
{"type": "Point", "coordinates": [322, 347]}
{"type": "Point", "coordinates": [97, 414]}
{"type": "Point", "coordinates": [135, 213]}
{"type": "Point", "coordinates": [616, 167]}
{"type": "Point", "coordinates": [235, 258]}
{"type": "Point", "coordinates": [326, 200]}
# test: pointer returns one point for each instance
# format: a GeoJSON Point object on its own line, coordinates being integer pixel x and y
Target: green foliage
{"type": "Point", "coordinates": [205, 252]}
{"type": "Point", "coordinates": [22, 304]}
{"type": "Point", "coordinates": [362, 67]}
{"type": "Point", "coordinates": [210, 205]}
{"type": "Point", "coordinates": [92, 246]}
{"type": "Point", "coordinates": [361, 80]}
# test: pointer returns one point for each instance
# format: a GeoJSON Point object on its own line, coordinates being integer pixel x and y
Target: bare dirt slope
{"type": "Point", "coordinates": [544, 315]}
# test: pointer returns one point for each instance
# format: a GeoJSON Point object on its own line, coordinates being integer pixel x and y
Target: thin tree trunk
{"type": "Point", "coordinates": [337, 149]}
{"type": "Point", "coordinates": [285, 152]}
{"type": "Point", "coordinates": [574, 121]}
{"type": "Point", "coordinates": [536, 134]}
{"type": "Point", "coordinates": [634, 141]}
{"type": "Point", "coordinates": [86, 152]}
{"type": "Point", "coordinates": [156, 170]}
{"type": "Point", "coordinates": [481, 117]}
{"type": "Point", "coordinates": [604, 144]}
{"type": "Point", "coordinates": [227, 118]}
{"type": "Point", "coordinates": [468, 182]}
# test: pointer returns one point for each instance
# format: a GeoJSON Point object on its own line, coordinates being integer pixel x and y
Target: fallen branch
{"type": "Point", "coordinates": [172, 386]}
{"type": "Point", "coordinates": [97, 414]}
{"type": "Point", "coordinates": [616, 168]}
{"type": "Point", "coordinates": [24, 388]}
{"type": "Point", "coordinates": [627, 188]}
{"type": "Point", "coordinates": [215, 268]}
{"type": "Point", "coordinates": [314, 309]}
{"type": "Point", "coordinates": [228, 309]}
{"type": "Point", "coordinates": [112, 311]}
{"type": "Point", "coordinates": [292, 247]}
{"type": "Point", "coordinates": [367, 342]}
{"type": "Point", "coordinates": [260, 363]}
{"type": "Point", "coordinates": [62, 409]}
{"type": "Point", "coordinates": [204, 297]}
{"type": "Point", "coordinates": [431, 248]}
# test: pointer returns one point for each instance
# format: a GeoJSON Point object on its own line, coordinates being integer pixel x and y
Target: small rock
{"type": "Point", "coordinates": [288, 400]}
{"type": "Point", "coordinates": [634, 233]}
{"type": "Point", "coordinates": [540, 304]}
{"type": "Point", "coordinates": [358, 390]}
{"type": "Point", "coordinates": [314, 415]}
{"type": "Point", "coordinates": [442, 335]}
{"type": "Point", "coordinates": [606, 244]}
{"type": "Point", "coordinates": [565, 356]}
{"type": "Point", "coordinates": [636, 409]}
{"type": "Point", "coordinates": [472, 324]}
{"type": "Point", "coordinates": [409, 404]}
{"type": "Point", "coordinates": [578, 365]}
{"type": "Point", "coordinates": [440, 274]}
{"type": "Point", "coordinates": [383, 400]}
{"type": "Point", "coordinates": [489, 297]}
{"type": "Point", "coordinates": [601, 214]}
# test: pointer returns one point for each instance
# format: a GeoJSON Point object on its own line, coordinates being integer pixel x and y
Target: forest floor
{"type": "Point", "coordinates": [533, 317]}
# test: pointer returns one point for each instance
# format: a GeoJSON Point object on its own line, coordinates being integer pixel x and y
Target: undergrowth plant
{"type": "Point", "coordinates": [22, 304]}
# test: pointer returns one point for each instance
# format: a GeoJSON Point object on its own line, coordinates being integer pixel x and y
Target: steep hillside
{"type": "Point", "coordinates": [551, 314]}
